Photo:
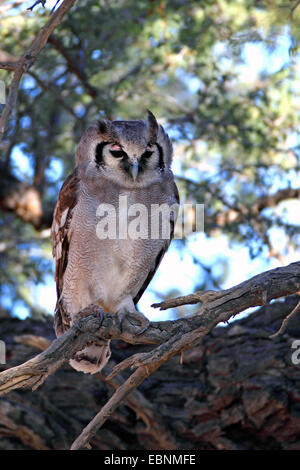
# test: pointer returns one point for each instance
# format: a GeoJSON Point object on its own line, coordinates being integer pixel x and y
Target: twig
{"type": "Point", "coordinates": [43, 2]}
{"type": "Point", "coordinates": [49, 87]}
{"type": "Point", "coordinates": [10, 66]}
{"type": "Point", "coordinates": [73, 66]}
{"type": "Point", "coordinates": [190, 299]}
{"type": "Point", "coordinates": [29, 58]}
{"type": "Point", "coordinates": [122, 392]}
{"type": "Point", "coordinates": [147, 413]}
{"type": "Point", "coordinates": [294, 7]}
{"type": "Point", "coordinates": [286, 321]}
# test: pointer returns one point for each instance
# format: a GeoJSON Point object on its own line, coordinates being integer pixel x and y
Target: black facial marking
{"type": "Point", "coordinates": [118, 153]}
{"type": "Point", "coordinates": [99, 153]}
{"type": "Point", "coordinates": [143, 160]}
{"type": "Point", "coordinates": [146, 154]}
{"type": "Point", "coordinates": [161, 163]}
{"type": "Point", "coordinates": [125, 164]}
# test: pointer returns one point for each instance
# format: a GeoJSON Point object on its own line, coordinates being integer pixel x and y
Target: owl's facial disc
{"type": "Point", "coordinates": [131, 161]}
{"type": "Point", "coordinates": [135, 165]}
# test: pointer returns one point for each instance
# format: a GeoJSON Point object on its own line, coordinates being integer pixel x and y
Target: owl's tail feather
{"type": "Point", "coordinates": [91, 359]}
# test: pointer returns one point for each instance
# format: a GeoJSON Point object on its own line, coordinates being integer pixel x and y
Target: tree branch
{"type": "Point", "coordinates": [154, 425]}
{"type": "Point", "coordinates": [23, 199]}
{"type": "Point", "coordinates": [51, 88]}
{"type": "Point", "coordinates": [241, 212]}
{"type": "Point", "coordinates": [10, 66]}
{"type": "Point", "coordinates": [73, 67]}
{"type": "Point", "coordinates": [14, 197]}
{"type": "Point", "coordinates": [29, 58]}
{"type": "Point", "coordinates": [172, 337]}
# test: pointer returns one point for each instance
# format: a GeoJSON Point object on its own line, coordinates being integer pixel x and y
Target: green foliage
{"type": "Point", "coordinates": [236, 137]}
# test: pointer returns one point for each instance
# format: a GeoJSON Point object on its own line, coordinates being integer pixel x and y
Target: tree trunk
{"type": "Point", "coordinates": [238, 389]}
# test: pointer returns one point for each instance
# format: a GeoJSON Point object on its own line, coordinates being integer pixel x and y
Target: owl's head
{"type": "Point", "coordinates": [134, 153]}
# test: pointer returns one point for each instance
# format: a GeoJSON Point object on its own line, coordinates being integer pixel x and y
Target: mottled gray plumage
{"type": "Point", "coordinates": [127, 158]}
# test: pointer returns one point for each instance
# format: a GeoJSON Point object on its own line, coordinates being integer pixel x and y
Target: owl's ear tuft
{"type": "Point", "coordinates": [102, 126]}
{"type": "Point", "coordinates": [152, 127]}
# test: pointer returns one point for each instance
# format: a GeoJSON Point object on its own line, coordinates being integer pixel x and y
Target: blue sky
{"type": "Point", "coordinates": [178, 270]}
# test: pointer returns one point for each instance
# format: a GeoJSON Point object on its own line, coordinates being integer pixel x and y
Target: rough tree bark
{"type": "Point", "coordinates": [237, 390]}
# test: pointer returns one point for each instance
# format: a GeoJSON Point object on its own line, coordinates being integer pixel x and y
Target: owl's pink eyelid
{"type": "Point", "coordinates": [116, 147]}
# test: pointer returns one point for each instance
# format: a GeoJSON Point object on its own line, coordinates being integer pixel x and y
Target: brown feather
{"type": "Point", "coordinates": [66, 201]}
{"type": "Point", "coordinates": [160, 255]}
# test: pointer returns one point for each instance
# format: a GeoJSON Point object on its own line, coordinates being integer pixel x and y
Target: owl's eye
{"type": "Point", "coordinates": [118, 153]}
{"type": "Point", "coordinates": [147, 154]}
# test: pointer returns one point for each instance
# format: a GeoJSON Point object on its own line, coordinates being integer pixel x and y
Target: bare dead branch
{"type": "Point", "coordinates": [187, 299]}
{"type": "Point", "coordinates": [29, 58]}
{"type": "Point", "coordinates": [154, 425]}
{"type": "Point", "coordinates": [121, 393]}
{"type": "Point", "coordinates": [172, 337]}
{"type": "Point", "coordinates": [286, 321]}
{"type": "Point", "coordinates": [147, 363]}
{"type": "Point", "coordinates": [10, 66]}
{"type": "Point", "coordinates": [34, 372]}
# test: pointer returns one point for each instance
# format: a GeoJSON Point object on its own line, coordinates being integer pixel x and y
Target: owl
{"type": "Point", "coordinates": [128, 161]}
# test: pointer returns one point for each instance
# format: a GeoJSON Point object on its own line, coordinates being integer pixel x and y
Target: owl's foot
{"type": "Point", "coordinates": [86, 312]}
{"type": "Point", "coordinates": [144, 322]}
{"type": "Point", "coordinates": [134, 318]}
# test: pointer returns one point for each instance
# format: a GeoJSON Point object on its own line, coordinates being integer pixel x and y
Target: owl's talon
{"type": "Point", "coordinates": [142, 319]}
{"type": "Point", "coordinates": [145, 328]}
{"type": "Point", "coordinates": [144, 322]}
{"type": "Point", "coordinates": [100, 315]}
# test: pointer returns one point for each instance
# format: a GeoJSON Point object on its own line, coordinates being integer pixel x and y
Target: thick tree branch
{"type": "Point", "coordinates": [29, 58]}
{"type": "Point", "coordinates": [173, 337]}
{"type": "Point", "coordinates": [154, 425]}
{"type": "Point", "coordinates": [219, 306]}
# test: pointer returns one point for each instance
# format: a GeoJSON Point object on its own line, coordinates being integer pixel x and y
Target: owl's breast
{"type": "Point", "coordinates": [112, 251]}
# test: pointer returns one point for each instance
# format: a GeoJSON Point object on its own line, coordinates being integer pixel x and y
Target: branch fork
{"type": "Point", "coordinates": [172, 337]}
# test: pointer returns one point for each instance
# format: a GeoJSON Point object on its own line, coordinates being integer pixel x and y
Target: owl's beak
{"type": "Point", "coordinates": [134, 170]}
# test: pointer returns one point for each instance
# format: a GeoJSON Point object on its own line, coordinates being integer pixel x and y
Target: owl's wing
{"type": "Point", "coordinates": [60, 234]}
{"type": "Point", "coordinates": [161, 254]}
